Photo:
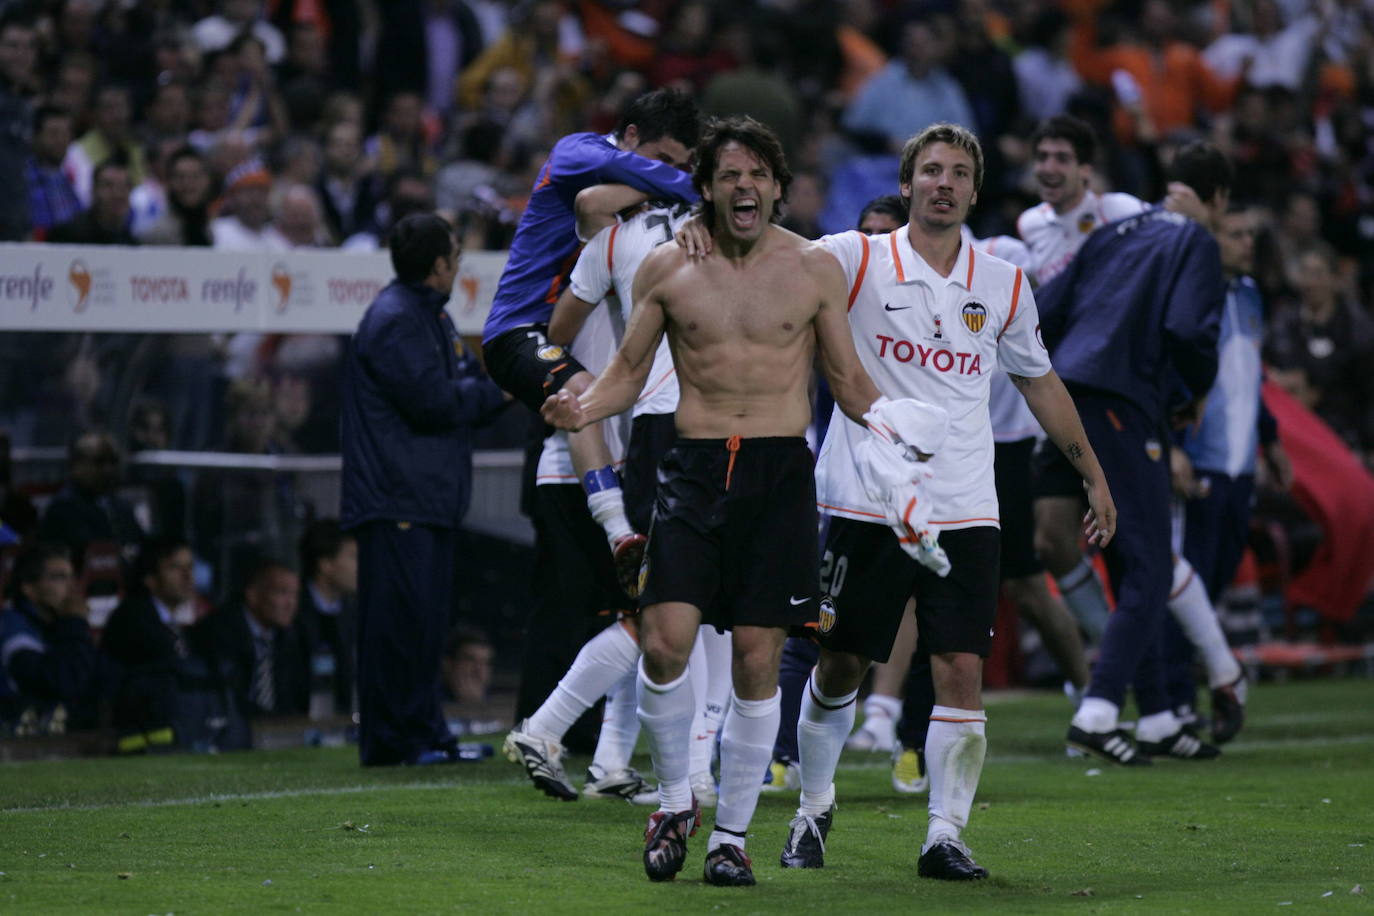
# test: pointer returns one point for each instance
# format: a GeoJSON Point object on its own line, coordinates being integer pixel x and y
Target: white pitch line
{"type": "Point", "coordinates": [993, 759]}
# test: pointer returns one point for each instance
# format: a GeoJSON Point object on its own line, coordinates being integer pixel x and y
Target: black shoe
{"type": "Point", "coordinates": [1228, 709]}
{"type": "Point", "coordinates": [949, 860]}
{"type": "Point", "coordinates": [806, 840]}
{"type": "Point", "coordinates": [728, 866]}
{"type": "Point", "coordinates": [1183, 744]}
{"type": "Point", "coordinates": [1114, 746]}
{"type": "Point", "coordinates": [665, 842]}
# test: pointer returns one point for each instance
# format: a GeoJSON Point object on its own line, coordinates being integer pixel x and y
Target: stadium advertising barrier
{"type": "Point", "coordinates": [199, 290]}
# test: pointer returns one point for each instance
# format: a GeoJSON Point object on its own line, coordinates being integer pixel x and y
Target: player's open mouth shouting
{"type": "Point", "coordinates": [744, 213]}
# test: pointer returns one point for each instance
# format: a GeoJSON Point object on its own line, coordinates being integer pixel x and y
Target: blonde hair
{"type": "Point", "coordinates": [942, 132]}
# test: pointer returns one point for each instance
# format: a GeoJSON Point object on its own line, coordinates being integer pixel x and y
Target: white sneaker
{"type": "Point", "coordinates": [542, 760]}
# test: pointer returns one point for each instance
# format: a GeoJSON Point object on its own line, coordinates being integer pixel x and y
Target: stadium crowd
{"type": "Point", "coordinates": [293, 124]}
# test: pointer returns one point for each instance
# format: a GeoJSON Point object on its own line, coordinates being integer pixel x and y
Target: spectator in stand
{"type": "Point", "coordinates": [1044, 76]}
{"type": "Point", "coordinates": [1321, 351]}
{"type": "Point", "coordinates": [49, 671]}
{"type": "Point", "coordinates": [460, 181]}
{"type": "Point", "coordinates": [52, 198]}
{"type": "Point", "coordinates": [451, 39]}
{"type": "Point", "coordinates": [239, 515]}
{"type": "Point", "coordinates": [755, 87]}
{"type": "Point", "coordinates": [168, 114]}
{"type": "Point", "coordinates": [235, 17]}
{"type": "Point", "coordinates": [254, 101]}
{"type": "Point", "coordinates": [88, 509]}
{"type": "Point", "coordinates": [467, 666]}
{"type": "Point", "coordinates": [18, 81]}
{"type": "Point", "coordinates": [107, 221]}
{"type": "Point", "coordinates": [72, 87]}
{"type": "Point", "coordinates": [1299, 230]}
{"type": "Point", "coordinates": [687, 51]}
{"type": "Point", "coordinates": [910, 93]}
{"type": "Point", "coordinates": [298, 160]}
{"type": "Point", "coordinates": [1173, 80]}
{"type": "Point", "coordinates": [247, 226]}
{"type": "Point", "coordinates": [144, 638]}
{"type": "Point", "coordinates": [186, 219]}
{"type": "Point", "coordinates": [299, 219]}
{"type": "Point", "coordinates": [407, 193]}
{"type": "Point", "coordinates": [401, 142]}
{"type": "Point", "coordinates": [254, 640]}
{"type": "Point", "coordinates": [305, 79]}
{"type": "Point", "coordinates": [347, 184]}
{"type": "Point", "coordinates": [538, 40]}
{"type": "Point", "coordinates": [111, 137]}
{"type": "Point", "coordinates": [328, 615]}
{"type": "Point", "coordinates": [17, 514]}
{"type": "Point", "coordinates": [1270, 54]}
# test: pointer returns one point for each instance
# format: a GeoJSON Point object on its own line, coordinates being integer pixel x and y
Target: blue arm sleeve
{"type": "Point", "coordinates": [658, 179]}
{"type": "Point", "coordinates": [1192, 318]}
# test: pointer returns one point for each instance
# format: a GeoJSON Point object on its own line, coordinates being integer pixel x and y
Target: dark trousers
{"type": "Point", "coordinates": [405, 596]}
{"type": "Point", "coordinates": [799, 656]}
{"type": "Point", "coordinates": [1216, 528]}
{"type": "Point", "coordinates": [1139, 559]}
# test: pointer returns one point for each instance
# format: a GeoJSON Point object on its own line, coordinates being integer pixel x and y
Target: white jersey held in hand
{"type": "Point", "coordinates": [890, 462]}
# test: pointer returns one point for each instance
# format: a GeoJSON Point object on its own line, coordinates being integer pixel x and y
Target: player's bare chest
{"type": "Point", "coordinates": [757, 310]}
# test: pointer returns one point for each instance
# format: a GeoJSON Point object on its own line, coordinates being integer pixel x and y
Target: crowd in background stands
{"type": "Point", "coordinates": [286, 124]}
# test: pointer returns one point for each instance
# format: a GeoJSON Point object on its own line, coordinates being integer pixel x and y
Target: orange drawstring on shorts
{"type": "Point", "coordinates": [731, 445]}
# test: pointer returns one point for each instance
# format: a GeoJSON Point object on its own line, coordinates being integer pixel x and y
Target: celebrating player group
{"type": "Point", "coordinates": [681, 406]}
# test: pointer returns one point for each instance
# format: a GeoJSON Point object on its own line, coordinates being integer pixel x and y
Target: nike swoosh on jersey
{"type": "Point", "coordinates": [899, 308]}
{"type": "Point", "coordinates": [796, 601]}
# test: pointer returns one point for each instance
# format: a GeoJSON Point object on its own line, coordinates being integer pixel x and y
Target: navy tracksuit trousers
{"type": "Point", "coordinates": [1139, 560]}
{"type": "Point", "coordinates": [405, 599]}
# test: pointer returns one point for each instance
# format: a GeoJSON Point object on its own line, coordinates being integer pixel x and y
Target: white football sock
{"type": "Point", "coordinates": [955, 747]}
{"type": "Point", "coordinates": [746, 749]}
{"type": "Point", "coordinates": [619, 727]}
{"type": "Point", "coordinates": [665, 712]}
{"type": "Point", "coordinates": [608, 508]}
{"type": "Point", "coordinates": [712, 688]}
{"type": "Point", "coordinates": [1197, 618]}
{"type": "Point", "coordinates": [1096, 715]}
{"type": "Point", "coordinates": [1157, 726]}
{"type": "Point", "coordinates": [823, 725]}
{"type": "Point", "coordinates": [605, 659]}
{"type": "Point", "coordinates": [1082, 592]}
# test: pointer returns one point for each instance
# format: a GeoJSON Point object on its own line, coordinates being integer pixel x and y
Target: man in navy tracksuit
{"type": "Point", "coordinates": [411, 396]}
{"type": "Point", "coordinates": [1132, 319]}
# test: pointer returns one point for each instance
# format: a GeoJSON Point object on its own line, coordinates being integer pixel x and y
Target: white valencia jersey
{"type": "Point", "coordinates": [607, 268]}
{"type": "Point", "coordinates": [939, 339]}
{"type": "Point", "coordinates": [593, 347]}
{"type": "Point", "coordinates": [1054, 239]}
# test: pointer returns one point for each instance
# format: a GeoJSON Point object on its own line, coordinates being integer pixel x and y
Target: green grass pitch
{"type": "Point", "coordinates": [1285, 818]}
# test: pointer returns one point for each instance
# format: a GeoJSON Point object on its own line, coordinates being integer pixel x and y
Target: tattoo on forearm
{"type": "Point", "coordinates": [1074, 451]}
{"type": "Point", "coordinates": [1020, 381]}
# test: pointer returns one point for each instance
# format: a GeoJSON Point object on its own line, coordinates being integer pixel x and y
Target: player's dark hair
{"type": "Point", "coordinates": [893, 205]}
{"type": "Point", "coordinates": [752, 135]}
{"type": "Point", "coordinates": [416, 242]}
{"type": "Point", "coordinates": [1077, 132]}
{"type": "Point", "coordinates": [1204, 168]}
{"type": "Point", "coordinates": [155, 552]}
{"type": "Point", "coordinates": [28, 566]}
{"type": "Point", "coordinates": [663, 113]}
{"type": "Point", "coordinates": [322, 540]}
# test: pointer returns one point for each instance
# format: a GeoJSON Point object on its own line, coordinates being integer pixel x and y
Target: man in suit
{"type": "Point", "coordinates": [257, 645]}
{"type": "Point", "coordinates": [142, 636]}
{"type": "Point", "coordinates": [328, 606]}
